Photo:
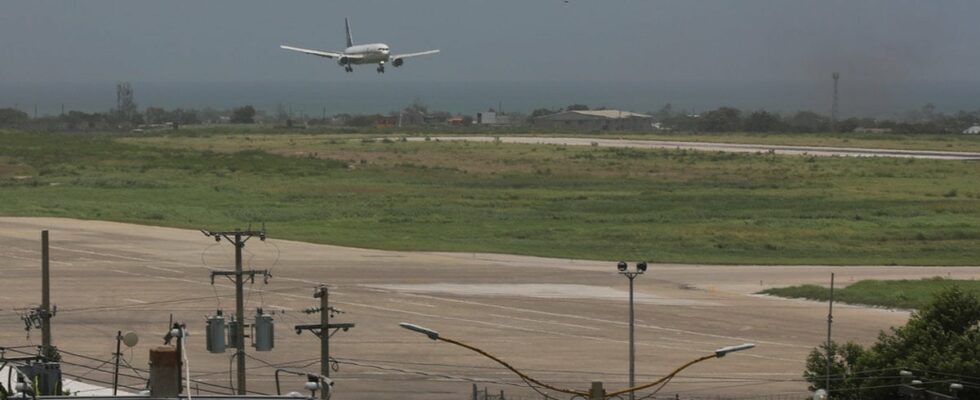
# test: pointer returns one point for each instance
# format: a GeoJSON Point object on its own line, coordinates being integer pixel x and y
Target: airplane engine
{"type": "Point", "coordinates": [343, 61]}
{"type": "Point", "coordinates": [398, 62]}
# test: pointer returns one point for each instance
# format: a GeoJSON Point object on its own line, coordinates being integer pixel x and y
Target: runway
{"type": "Point", "coordinates": [725, 147]}
{"type": "Point", "coordinates": [561, 321]}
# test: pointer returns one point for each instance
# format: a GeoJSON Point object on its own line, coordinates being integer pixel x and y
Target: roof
{"type": "Point", "coordinates": [604, 114]}
{"type": "Point", "coordinates": [972, 129]}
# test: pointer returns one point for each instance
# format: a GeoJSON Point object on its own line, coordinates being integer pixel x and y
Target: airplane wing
{"type": "Point", "coordinates": [321, 53]}
{"type": "Point", "coordinates": [421, 53]}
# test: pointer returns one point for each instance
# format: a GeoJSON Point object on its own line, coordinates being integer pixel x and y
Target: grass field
{"type": "Point", "coordinates": [593, 203]}
{"type": "Point", "coordinates": [908, 294]}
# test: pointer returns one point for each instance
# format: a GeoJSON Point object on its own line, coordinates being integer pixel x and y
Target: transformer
{"type": "Point", "coordinates": [263, 338]}
{"type": "Point", "coordinates": [215, 333]}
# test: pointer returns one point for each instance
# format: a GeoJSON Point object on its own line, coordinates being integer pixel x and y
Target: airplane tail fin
{"type": "Point", "coordinates": [350, 40]}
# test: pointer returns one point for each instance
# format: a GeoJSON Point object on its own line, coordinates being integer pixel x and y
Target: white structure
{"type": "Point", "coordinates": [973, 130]}
{"type": "Point", "coordinates": [489, 117]}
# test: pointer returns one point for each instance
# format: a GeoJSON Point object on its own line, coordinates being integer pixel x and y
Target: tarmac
{"type": "Point", "coordinates": [561, 321]}
{"type": "Point", "coordinates": [817, 151]}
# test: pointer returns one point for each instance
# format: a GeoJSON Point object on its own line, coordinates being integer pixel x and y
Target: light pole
{"type": "Point", "coordinates": [641, 267]}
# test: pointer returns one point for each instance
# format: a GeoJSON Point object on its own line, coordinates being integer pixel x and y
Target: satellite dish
{"type": "Point", "coordinates": [130, 339]}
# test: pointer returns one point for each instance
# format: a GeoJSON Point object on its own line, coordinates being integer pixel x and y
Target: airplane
{"type": "Point", "coordinates": [374, 53]}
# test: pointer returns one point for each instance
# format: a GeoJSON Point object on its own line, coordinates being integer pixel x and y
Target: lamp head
{"type": "Point", "coordinates": [621, 266]}
{"type": "Point", "coordinates": [425, 331]}
{"type": "Point", "coordinates": [642, 266]}
{"type": "Point", "coordinates": [731, 349]}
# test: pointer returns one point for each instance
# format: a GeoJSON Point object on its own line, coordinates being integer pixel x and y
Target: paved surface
{"type": "Point", "coordinates": [562, 321]}
{"type": "Point", "coordinates": [726, 147]}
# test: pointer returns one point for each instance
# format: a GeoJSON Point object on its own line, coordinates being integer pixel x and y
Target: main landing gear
{"type": "Point", "coordinates": [348, 68]}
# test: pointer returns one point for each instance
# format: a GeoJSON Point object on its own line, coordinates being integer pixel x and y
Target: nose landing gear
{"type": "Point", "coordinates": [381, 67]}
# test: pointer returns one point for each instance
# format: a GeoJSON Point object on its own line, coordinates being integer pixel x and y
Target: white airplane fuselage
{"type": "Point", "coordinates": [373, 53]}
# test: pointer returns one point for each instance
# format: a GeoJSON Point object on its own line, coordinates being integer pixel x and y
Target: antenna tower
{"type": "Point", "coordinates": [834, 110]}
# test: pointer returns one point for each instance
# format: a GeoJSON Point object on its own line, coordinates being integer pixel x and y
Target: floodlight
{"type": "Point", "coordinates": [621, 266]}
{"type": "Point", "coordinates": [642, 266]}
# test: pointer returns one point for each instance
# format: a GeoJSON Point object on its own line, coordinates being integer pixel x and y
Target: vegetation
{"type": "Point", "coordinates": [939, 345]}
{"type": "Point", "coordinates": [908, 294]}
{"type": "Point", "coordinates": [576, 202]}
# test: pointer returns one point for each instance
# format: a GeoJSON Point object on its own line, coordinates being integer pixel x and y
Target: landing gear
{"type": "Point", "coordinates": [349, 68]}
{"type": "Point", "coordinates": [381, 68]}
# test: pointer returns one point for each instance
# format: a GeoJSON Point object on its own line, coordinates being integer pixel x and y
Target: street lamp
{"type": "Point", "coordinates": [623, 268]}
{"type": "Point", "coordinates": [593, 394]}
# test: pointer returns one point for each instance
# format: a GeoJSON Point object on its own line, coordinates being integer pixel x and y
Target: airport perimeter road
{"type": "Point", "coordinates": [726, 147]}
{"type": "Point", "coordinates": [561, 321]}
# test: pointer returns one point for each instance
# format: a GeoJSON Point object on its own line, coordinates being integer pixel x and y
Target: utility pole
{"type": "Point", "coordinates": [115, 373]}
{"type": "Point", "coordinates": [238, 238]}
{"type": "Point", "coordinates": [322, 330]}
{"type": "Point", "coordinates": [46, 350]}
{"type": "Point", "coordinates": [830, 320]}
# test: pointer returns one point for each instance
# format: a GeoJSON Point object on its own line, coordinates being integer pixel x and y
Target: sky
{"type": "Point", "coordinates": [732, 41]}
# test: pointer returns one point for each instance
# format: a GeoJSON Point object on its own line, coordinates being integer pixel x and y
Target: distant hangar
{"type": "Point", "coordinates": [595, 120]}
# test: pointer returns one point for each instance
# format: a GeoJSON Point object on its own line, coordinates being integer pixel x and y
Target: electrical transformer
{"type": "Point", "coordinates": [216, 333]}
{"type": "Point", "coordinates": [263, 337]}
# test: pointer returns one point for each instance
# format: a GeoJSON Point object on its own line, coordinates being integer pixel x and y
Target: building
{"type": "Point", "coordinates": [487, 118]}
{"type": "Point", "coordinates": [595, 120]}
{"type": "Point", "coordinates": [973, 130]}
{"type": "Point", "coordinates": [499, 119]}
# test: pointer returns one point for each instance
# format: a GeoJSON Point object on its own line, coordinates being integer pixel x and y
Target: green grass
{"type": "Point", "coordinates": [908, 294]}
{"type": "Point", "coordinates": [575, 202]}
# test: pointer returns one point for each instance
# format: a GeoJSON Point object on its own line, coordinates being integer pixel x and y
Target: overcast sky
{"type": "Point", "coordinates": [498, 40]}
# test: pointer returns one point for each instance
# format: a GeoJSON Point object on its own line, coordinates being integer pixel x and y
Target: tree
{"type": "Point", "coordinates": [762, 121]}
{"type": "Point", "coordinates": [243, 115]}
{"type": "Point", "coordinates": [665, 112]}
{"type": "Point", "coordinates": [844, 367]}
{"type": "Point", "coordinates": [940, 343]}
{"type": "Point", "coordinates": [577, 107]}
{"type": "Point", "coordinates": [808, 121]}
{"type": "Point", "coordinates": [12, 117]}
{"type": "Point", "coordinates": [725, 119]}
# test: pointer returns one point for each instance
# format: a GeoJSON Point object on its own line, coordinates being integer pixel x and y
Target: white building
{"type": "Point", "coordinates": [973, 130]}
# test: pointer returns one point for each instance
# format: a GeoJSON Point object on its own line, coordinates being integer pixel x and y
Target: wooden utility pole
{"type": "Point", "coordinates": [322, 330]}
{"type": "Point", "coordinates": [238, 238]}
{"type": "Point", "coordinates": [46, 350]}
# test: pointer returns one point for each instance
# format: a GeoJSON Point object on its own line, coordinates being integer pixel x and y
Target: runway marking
{"type": "Point", "coordinates": [400, 301]}
{"type": "Point", "coordinates": [101, 254]}
{"type": "Point", "coordinates": [165, 269]}
{"type": "Point", "coordinates": [591, 328]}
{"type": "Point", "coordinates": [136, 301]}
